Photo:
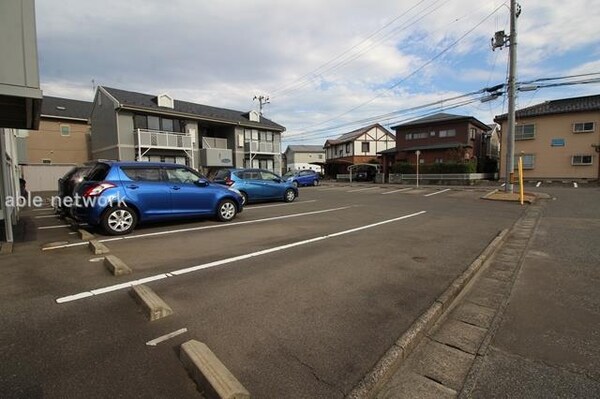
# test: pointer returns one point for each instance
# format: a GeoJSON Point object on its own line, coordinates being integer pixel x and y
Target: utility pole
{"type": "Point", "coordinates": [501, 40]}
{"type": "Point", "coordinates": [262, 101]}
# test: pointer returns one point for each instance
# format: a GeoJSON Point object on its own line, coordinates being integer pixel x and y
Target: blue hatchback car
{"type": "Point", "coordinates": [304, 177]}
{"type": "Point", "coordinates": [119, 195]}
{"type": "Point", "coordinates": [257, 184]}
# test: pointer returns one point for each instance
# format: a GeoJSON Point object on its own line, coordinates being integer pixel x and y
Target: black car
{"type": "Point", "coordinates": [66, 187]}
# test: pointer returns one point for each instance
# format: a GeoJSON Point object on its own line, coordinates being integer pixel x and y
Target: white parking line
{"type": "Point", "coordinates": [165, 337]}
{"type": "Point", "coordinates": [437, 192]}
{"type": "Point", "coordinates": [60, 226]}
{"type": "Point", "coordinates": [270, 206]}
{"type": "Point", "coordinates": [175, 273]}
{"type": "Point", "coordinates": [214, 226]}
{"type": "Point", "coordinates": [45, 209]}
{"type": "Point", "coordinates": [362, 189]}
{"type": "Point", "coordinates": [538, 184]}
{"type": "Point", "coordinates": [330, 188]}
{"type": "Point", "coordinates": [45, 216]}
{"type": "Point", "coordinates": [397, 191]}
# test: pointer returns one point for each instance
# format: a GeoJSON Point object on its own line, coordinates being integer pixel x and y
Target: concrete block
{"type": "Point", "coordinates": [214, 379]}
{"type": "Point", "coordinates": [6, 248]}
{"type": "Point", "coordinates": [153, 305]}
{"type": "Point", "coordinates": [116, 266]}
{"type": "Point", "coordinates": [98, 248]}
{"type": "Point", "coordinates": [85, 235]}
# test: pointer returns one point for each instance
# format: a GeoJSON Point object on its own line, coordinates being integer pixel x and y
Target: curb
{"type": "Point", "coordinates": [154, 306]}
{"type": "Point", "coordinates": [214, 379]}
{"type": "Point", "coordinates": [403, 347]}
{"type": "Point", "coordinates": [116, 266]}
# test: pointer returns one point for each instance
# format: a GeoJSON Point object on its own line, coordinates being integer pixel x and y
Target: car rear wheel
{"type": "Point", "coordinates": [315, 182]}
{"type": "Point", "coordinates": [290, 195]}
{"type": "Point", "coordinates": [226, 210]}
{"type": "Point", "coordinates": [244, 198]}
{"type": "Point", "coordinates": [119, 220]}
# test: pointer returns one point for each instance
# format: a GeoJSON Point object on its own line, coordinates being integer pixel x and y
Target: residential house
{"type": "Point", "coordinates": [439, 138]}
{"type": "Point", "coordinates": [299, 157]}
{"type": "Point", "coordinates": [20, 99]}
{"type": "Point", "coordinates": [133, 126]}
{"type": "Point", "coordinates": [63, 135]}
{"type": "Point", "coordinates": [356, 147]}
{"type": "Point", "coordinates": [557, 139]}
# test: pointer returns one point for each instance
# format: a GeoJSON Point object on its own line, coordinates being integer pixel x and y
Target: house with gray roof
{"type": "Point", "coordinates": [299, 157]}
{"type": "Point", "coordinates": [63, 135]}
{"type": "Point", "coordinates": [556, 140]}
{"type": "Point", "coordinates": [359, 146]}
{"type": "Point", "coordinates": [439, 138]}
{"type": "Point", "coordinates": [128, 125]}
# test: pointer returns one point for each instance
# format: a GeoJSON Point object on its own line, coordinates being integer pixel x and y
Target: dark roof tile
{"type": "Point", "coordinates": [561, 106]}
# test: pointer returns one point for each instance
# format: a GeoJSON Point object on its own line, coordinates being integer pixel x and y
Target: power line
{"type": "Point", "coordinates": [423, 66]}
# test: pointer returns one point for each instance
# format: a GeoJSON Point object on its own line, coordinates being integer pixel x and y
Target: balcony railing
{"type": "Point", "coordinates": [261, 147]}
{"type": "Point", "coordinates": [165, 140]}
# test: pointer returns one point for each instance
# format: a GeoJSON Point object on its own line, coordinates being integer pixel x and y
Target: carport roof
{"type": "Point", "coordinates": [148, 102]}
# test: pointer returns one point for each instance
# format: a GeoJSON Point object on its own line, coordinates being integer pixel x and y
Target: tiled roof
{"type": "Point", "coordinates": [562, 106]}
{"type": "Point", "coordinates": [64, 107]}
{"type": "Point", "coordinates": [147, 101]}
{"type": "Point", "coordinates": [442, 117]}
{"type": "Point", "coordinates": [305, 148]}
{"type": "Point", "coordinates": [353, 135]}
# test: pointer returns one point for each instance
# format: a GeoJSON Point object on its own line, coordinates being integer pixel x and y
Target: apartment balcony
{"type": "Point", "coordinates": [214, 153]}
{"type": "Point", "coordinates": [261, 147]}
{"type": "Point", "coordinates": [154, 139]}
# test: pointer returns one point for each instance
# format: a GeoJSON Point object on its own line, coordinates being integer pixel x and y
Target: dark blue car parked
{"type": "Point", "coordinates": [257, 184]}
{"type": "Point", "coordinates": [119, 195]}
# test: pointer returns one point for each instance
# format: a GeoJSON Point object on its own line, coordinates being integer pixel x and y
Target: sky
{"type": "Point", "coordinates": [328, 67]}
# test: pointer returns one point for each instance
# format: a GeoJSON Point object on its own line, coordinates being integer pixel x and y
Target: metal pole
{"type": "Point", "coordinates": [512, 76]}
{"type": "Point", "coordinates": [4, 188]}
{"type": "Point", "coordinates": [418, 153]}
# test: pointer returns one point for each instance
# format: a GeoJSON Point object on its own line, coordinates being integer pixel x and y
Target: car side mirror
{"type": "Point", "coordinates": [202, 182]}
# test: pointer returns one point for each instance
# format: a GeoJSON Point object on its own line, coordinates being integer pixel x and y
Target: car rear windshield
{"type": "Point", "coordinates": [98, 172]}
{"type": "Point", "coordinates": [221, 174]}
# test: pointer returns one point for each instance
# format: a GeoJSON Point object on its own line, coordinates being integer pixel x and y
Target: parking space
{"type": "Point", "coordinates": [297, 299]}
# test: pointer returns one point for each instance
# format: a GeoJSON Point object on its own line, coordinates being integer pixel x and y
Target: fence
{"type": "Point", "coordinates": [42, 177]}
{"type": "Point", "coordinates": [443, 178]}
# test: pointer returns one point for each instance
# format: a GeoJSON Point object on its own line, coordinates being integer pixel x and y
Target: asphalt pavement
{"type": "Point", "coordinates": [527, 327]}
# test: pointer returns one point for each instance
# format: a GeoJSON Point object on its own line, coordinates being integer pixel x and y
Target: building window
{"type": "Point", "coordinates": [65, 130]}
{"type": "Point", "coordinates": [408, 136]}
{"type": "Point", "coordinates": [422, 135]}
{"type": "Point", "coordinates": [153, 122]}
{"type": "Point", "coordinates": [320, 156]}
{"type": "Point", "coordinates": [366, 146]}
{"type": "Point", "coordinates": [525, 132]}
{"type": "Point", "coordinates": [472, 133]}
{"type": "Point", "coordinates": [439, 160]}
{"type": "Point", "coordinates": [348, 148]}
{"type": "Point", "coordinates": [432, 133]}
{"type": "Point", "coordinates": [167, 125]}
{"type": "Point", "coordinates": [448, 133]}
{"type": "Point", "coordinates": [581, 160]}
{"type": "Point", "coordinates": [583, 127]}
{"type": "Point", "coordinates": [528, 161]}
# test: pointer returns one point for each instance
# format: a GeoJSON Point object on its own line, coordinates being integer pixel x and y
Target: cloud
{"type": "Point", "coordinates": [318, 60]}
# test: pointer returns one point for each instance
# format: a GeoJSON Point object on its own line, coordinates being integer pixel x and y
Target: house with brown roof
{"type": "Point", "coordinates": [356, 147]}
{"type": "Point", "coordinates": [558, 139]}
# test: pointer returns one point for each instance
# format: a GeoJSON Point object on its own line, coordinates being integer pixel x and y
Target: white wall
{"type": "Point", "coordinates": [44, 177]}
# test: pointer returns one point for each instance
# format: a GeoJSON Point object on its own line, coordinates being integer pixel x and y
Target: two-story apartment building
{"type": "Point", "coordinates": [298, 157]}
{"type": "Point", "coordinates": [63, 135]}
{"type": "Point", "coordinates": [557, 139]}
{"type": "Point", "coordinates": [358, 146]}
{"type": "Point", "coordinates": [128, 125]}
{"type": "Point", "coordinates": [440, 138]}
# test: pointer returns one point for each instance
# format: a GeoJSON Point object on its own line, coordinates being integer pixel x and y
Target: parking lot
{"type": "Point", "coordinates": [297, 300]}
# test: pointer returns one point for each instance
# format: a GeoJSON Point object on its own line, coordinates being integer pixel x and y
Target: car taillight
{"type": "Point", "coordinates": [228, 181]}
{"type": "Point", "coordinates": [97, 189]}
